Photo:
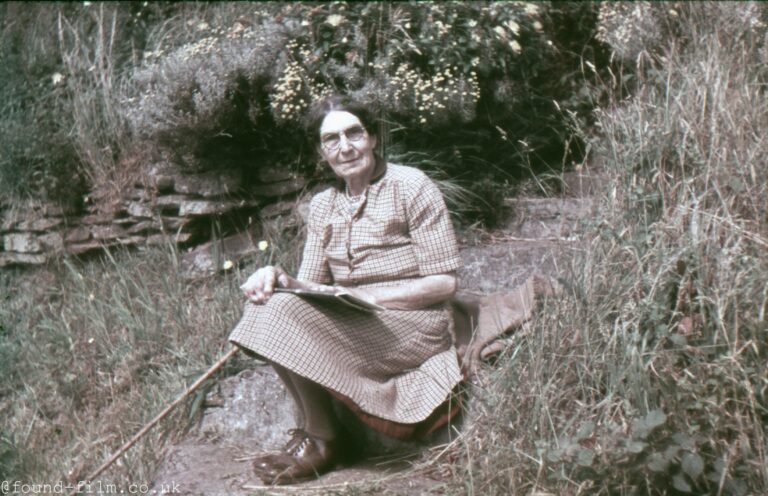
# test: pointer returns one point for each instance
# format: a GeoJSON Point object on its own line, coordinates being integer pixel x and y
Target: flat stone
{"type": "Point", "coordinates": [547, 218]}
{"type": "Point", "coordinates": [56, 210]}
{"type": "Point", "coordinates": [142, 227]}
{"type": "Point", "coordinates": [22, 243]}
{"type": "Point", "coordinates": [99, 218]}
{"type": "Point", "coordinates": [483, 264]}
{"type": "Point", "coordinates": [205, 207]}
{"type": "Point", "coordinates": [139, 209]}
{"type": "Point", "coordinates": [138, 194]}
{"type": "Point", "coordinates": [272, 174]}
{"type": "Point", "coordinates": [78, 234]}
{"type": "Point", "coordinates": [107, 232]}
{"type": "Point", "coordinates": [173, 200]}
{"type": "Point", "coordinates": [207, 259]}
{"type": "Point", "coordinates": [209, 184]}
{"type": "Point", "coordinates": [22, 259]}
{"type": "Point", "coordinates": [163, 183]}
{"type": "Point", "coordinates": [277, 209]}
{"type": "Point", "coordinates": [39, 225]}
{"type": "Point", "coordinates": [279, 188]}
{"type": "Point", "coordinates": [80, 248]}
{"type": "Point", "coordinates": [7, 225]}
{"type": "Point", "coordinates": [161, 239]}
{"type": "Point", "coordinates": [53, 241]}
{"type": "Point", "coordinates": [173, 223]}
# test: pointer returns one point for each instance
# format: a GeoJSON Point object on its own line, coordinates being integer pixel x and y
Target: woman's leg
{"type": "Point", "coordinates": [320, 421]}
{"type": "Point", "coordinates": [286, 376]}
{"type": "Point", "coordinates": [313, 449]}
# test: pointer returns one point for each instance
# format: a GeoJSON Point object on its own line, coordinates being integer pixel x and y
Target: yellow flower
{"type": "Point", "coordinates": [263, 245]}
{"type": "Point", "coordinates": [227, 265]}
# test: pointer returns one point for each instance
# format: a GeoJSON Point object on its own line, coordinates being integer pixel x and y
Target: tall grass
{"type": "Point", "coordinates": [647, 375]}
{"type": "Point", "coordinates": [92, 350]}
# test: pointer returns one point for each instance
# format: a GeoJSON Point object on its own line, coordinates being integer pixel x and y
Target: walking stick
{"type": "Point", "coordinates": [216, 366]}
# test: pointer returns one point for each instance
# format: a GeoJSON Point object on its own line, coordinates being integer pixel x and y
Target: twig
{"type": "Point", "coordinates": [216, 366]}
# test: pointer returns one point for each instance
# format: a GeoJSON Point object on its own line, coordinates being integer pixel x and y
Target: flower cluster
{"type": "Point", "coordinates": [628, 28]}
{"type": "Point", "coordinates": [434, 99]}
{"type": "Point", "coordinates": [295, 89]}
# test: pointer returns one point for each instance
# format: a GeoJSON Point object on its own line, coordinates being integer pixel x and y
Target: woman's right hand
{"type": "Point", "coordinates": [260, 286]}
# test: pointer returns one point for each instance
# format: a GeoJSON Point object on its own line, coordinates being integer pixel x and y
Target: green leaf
{"type": "Point", "coordinates": [636, 446]}
{"type": "Point", "coordinates": [586, 430]}
{"type": "Point", "coordinates": [586, 457]}
{"type": "Point", "coordinates": [693, 465]}
{"type": "Point", "coordinates": [555, 455]}
{"type": "Point", "coordinates": [655, 418]}
{"type": "Point", "coordinates": [657, 463]}
{"type": "Point", "coordinates": [681, 484]}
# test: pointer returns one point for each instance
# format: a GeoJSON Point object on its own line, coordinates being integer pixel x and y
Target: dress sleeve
{"type": "Point", "coordinates": [314, 265]}
{"type": "Point", "coordinates": [431, 230]}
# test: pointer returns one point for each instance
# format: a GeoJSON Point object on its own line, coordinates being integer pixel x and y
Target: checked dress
{"type": "Point", "coordinates": [394, 365]}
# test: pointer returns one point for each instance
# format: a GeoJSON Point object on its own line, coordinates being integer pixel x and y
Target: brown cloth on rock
{"type": "Point", "coordinates": [480, 320]}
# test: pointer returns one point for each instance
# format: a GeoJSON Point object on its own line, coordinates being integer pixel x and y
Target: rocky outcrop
{"type": "Point", "coordinates": [162, 207]}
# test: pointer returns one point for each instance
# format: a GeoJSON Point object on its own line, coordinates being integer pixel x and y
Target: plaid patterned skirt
{"type": "Point", "coordinates": [395, 365]}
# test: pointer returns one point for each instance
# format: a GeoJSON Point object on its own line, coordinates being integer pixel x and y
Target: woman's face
{"type": "Point", "coordinates": [347, 147]}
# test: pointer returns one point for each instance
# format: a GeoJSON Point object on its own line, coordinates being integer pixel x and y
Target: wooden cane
{"type": "Point", "coordinates": [216, 366]}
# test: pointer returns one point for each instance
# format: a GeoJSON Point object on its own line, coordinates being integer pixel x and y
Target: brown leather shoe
{"type": "Point", "coordinates": [305, 457]}
{"type": "Point", "coordinates": [265, 462]}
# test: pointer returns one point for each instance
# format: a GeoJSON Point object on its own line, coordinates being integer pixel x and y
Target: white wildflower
{"type": "Point", "coordinates": [57, 78]}
{"type": "Point", "coordinates": [334, 19]}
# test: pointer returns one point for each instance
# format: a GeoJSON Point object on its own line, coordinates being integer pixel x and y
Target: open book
{"type": "Point", "coordinates": [339, 295]}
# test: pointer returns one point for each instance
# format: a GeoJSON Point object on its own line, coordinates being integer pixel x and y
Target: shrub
{"type": "Point", "coordinates": [442, 75]}
{"type": "Point", "coordinates": [647, 376]}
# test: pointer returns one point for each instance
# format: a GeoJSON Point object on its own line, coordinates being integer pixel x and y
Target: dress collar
{"type": "Point", "coordinates": [379, 170]}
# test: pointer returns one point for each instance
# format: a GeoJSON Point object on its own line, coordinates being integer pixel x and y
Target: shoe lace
{"type": "Point", "coordinates": [292, 446]}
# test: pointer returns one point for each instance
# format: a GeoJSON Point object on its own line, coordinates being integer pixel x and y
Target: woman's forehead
{"type": "Point", "coordinates": [338, 120]}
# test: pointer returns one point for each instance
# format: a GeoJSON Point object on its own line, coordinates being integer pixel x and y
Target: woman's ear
{"type": "Point", "coordinates": [373, 140]}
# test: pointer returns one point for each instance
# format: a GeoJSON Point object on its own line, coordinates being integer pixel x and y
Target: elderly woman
{"type": "Point", "coordinates": [384, 235]}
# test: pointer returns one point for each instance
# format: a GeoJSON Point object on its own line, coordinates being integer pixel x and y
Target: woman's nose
{"type": "Point", "coordinates": [344, 144]}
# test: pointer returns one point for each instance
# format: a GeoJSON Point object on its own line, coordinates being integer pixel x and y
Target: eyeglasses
{"type": "Point", "coordinates": [332, 141]}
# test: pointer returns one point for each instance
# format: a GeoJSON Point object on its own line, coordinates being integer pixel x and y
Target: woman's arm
{"type": "Point", "coordinates": [412, 295]}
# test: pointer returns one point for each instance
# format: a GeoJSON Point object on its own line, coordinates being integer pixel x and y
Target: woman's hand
{"type": "Point", "coordinates": [260, 286]}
